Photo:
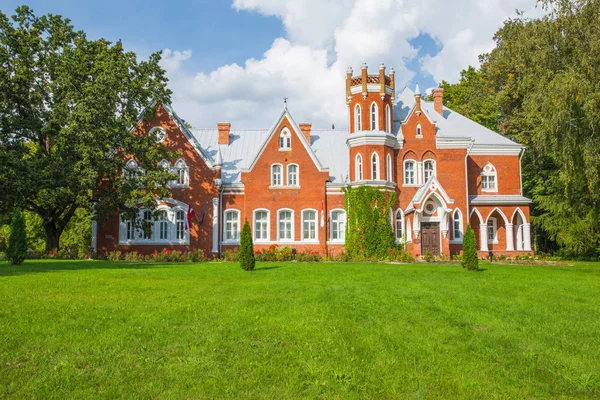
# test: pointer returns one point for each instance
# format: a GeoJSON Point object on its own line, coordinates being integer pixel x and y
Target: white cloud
{"type": "Point", "coordinates": [323, 38]}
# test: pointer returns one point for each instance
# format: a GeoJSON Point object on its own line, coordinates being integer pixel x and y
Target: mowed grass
{"type": "Point", "coordinates": [97, 329]}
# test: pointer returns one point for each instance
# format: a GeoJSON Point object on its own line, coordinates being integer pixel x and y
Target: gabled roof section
{"type": "Point", "coordinates": [431, 186]}
{"type": "Point", "coordinates": [286, 114]}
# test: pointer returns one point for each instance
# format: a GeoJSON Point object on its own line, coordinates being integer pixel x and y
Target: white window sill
{"type": "Point", "coordinates": [337, 241]}
{"type": "Point", "coordinates": [154, 242]}
{"type": "Point", "coordinates": [284, 187]}
{"type": "Point", "coordinates": [285, 149]}
{"type": "Point", "coordinates": [493, 241]}
{"type": "Point", "coordinates": [490, 190]}
{"type": "Point", "coordinates": [457, 241]}
{"type": "Point", "coordinates": [230, 242]}
{"type": "Point", "coordinates": [410, 185]}
{"type": "Point", "coordinates": [310, 241]}
{"type": "Point", "coordinates": [173, 186]}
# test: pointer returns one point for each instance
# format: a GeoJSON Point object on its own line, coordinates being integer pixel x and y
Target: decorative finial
{"type": "Point", "coordinates": [382, 66]}
{"type": "Point", "coordinates": [364, 65]}
{"type": "Point", "coordinates": [349, 70]}
{"type": "Point", "coordinates": [417, 90]}
{"type": "Point", "coordinates": [285, 99]}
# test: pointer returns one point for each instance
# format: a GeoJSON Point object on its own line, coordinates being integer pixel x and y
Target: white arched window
{"type": "Point", "coordinates": [419, 131]}
{"type": "Point", "coordinates": [409, 172]}
{"type": "Point", "coordinates": [285, 139]}
{"type": "Point", "coordinates": [182, 171]}
{"type": "Point", "coordinates": [374, 167]}
{"type": "Point", "coordinates": [358, 168]}
{"type": "Point", "coordinates": [293, 178]}
{"type": "Point", "coordinates": [357, 118]}
{"type": "Point", "coordinates": [388, 118]}
{"type": "Point", "coordinates": [164, 164]}
{"type": "Point", "coordinates": [131, 169]}
{"type": "Point", "coordinates": [492, 230]}
{"type": "Point", "coordinates": [374, 119]}
{"type": "Point", "coordinates": [164, 226]}
{"type": "Point", "coordinates": [457, 230]}
{"type": "Point", "coordinates": [399, 225]}
{"type": "Point", "coordinates": [232, 226]}
{"type": "Point", "coordinates": [428, 169]}
{"type": "Point", "coordinates": [338, 225]}
{"type": "Point", "coordinates": [261, 225]}
{"type": "Point", "coordinates": [489, 181]}
{"type": "Point", "coordinates": [388, 168]}
{"type": "Point", "coordinates": [180, 224]}
{"type": "Point", "coordinates": [309, 225]}
{"type": "Point", "coordinates": [148, 225]}
{"type": "Point", "coordinates": [285, 224]}
{"type": "Point", "coordinates": [276, 179]}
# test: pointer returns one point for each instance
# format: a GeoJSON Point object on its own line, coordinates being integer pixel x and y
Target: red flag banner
{"type": "Point", "coordinates": [190, 215]}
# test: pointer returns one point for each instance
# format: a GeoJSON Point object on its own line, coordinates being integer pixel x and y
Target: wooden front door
{"type": "Point", "coordinates": [430, 238]}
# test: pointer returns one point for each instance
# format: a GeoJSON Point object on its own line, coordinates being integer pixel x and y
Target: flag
{"type": "Point", "coordinates": [203, 213]}
{"type": "Point", "coordinates": [322, 214]}
{"type": "Point", "coordinates": [190, 215]}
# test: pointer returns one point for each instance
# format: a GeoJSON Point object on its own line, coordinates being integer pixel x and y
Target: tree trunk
{"type": "Point", "coordinates": [52, 237]}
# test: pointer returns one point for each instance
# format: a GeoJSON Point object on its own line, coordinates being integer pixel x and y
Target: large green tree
{"type": "Point", "coordinates": [69, 107]}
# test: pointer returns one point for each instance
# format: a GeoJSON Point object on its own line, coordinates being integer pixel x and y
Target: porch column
{"type": "Point", "coordinates": [526, 237]}
{"type": "Point", "coordinates": [483, 237]}
{"type": "Point", "coordinates": [510, 243]}
{"type": "Point", "coordinates": [520, 237]}
{"type": "Point", "coordinates": [215, 226]}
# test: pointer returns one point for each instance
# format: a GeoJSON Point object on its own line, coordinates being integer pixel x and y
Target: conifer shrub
{"type": "Point", "coordinates": [16, 250]}
{"type": "Point", "coordinates": [469, 257]}
{"type": "Point", "coordinates": [246, 256]}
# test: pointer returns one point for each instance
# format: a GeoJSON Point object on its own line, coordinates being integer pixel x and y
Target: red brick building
{"type": "Point", "coordinates": [289, 181]}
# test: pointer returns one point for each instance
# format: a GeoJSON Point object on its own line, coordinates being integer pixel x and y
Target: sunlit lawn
{"type": "Point", "coordinates": [291, 330]}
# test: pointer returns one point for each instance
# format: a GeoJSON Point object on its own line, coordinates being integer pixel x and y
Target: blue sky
{"type": "Point", "coordinates": [233, 60]}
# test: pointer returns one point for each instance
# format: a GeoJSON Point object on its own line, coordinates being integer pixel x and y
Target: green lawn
{"type": "Point", "coordinates": [289, 330]}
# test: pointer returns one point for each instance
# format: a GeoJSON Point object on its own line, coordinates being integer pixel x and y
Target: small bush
{"type": "Point", "coordinates": [428, 256]}
{"type": "Point", "coordinates": [2, 256]}
{"type": "Point", "coordinates": [16, 250]}
{"type": "Point", "coordinates": [114, 255]}
{"type": "Point", "coordinates": [246, 256]}
{"type": "Point", "coordinates": [134, 256]}
{"type": "Point", "coordinates": [194, 256]}
{"type": "Point", "coordinates": [308, 256]}
{"type": "Point", "coordinates": [231, 255]}
{"type": "Point", "coordinates": [398, 254]}
{"type": "Point", "coordinates": [469, 258]}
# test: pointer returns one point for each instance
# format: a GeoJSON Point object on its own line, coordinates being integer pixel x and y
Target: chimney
{"type": "Point", "coordinates": [305, 128]}
{"type": "Point", "coordinates": [224, 128]}
{"type": "Point", "coordinates": [438, 97]}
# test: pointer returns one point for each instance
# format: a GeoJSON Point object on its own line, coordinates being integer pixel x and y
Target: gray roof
{"type": "Point", "coordinates": [498, 199]}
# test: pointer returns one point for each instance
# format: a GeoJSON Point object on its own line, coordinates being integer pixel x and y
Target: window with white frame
{"type": "Point", "coordinates": [276, 179]}
{"type": "Point", "coordinates": [374, 119]}
{"type": "Point", "coordinates": [292, 175]}
{"type": "Point", "coordinates": [164, 226]}
{"type": "Point", "coordinates": [164, 164]}
{"type": "Point", "coordinates": [375, 167]}
{"type": "Point", "coordinates": [181, 169]}
{"type": "Point", "coordinates": [358, 168]}
{"type": "Point", "coordinates": [409, 172]}
{"type": "Point", "coordinates": [131, 169]}
{"type": "Point", "coordinates": [147, 226]}
{"type": "Point", "coordinates": [180, 216]}
{"type": "Point", "coordinates": [399, 225]}
{"type": "Point", "coordinates": [388, 119]}
{"type": "Point", "coordinates": [428, 169]}
{"type": "Point", "coordinates": [309, 225]}
{"type": "Point", "coordinates": [388, 168]}
{"type": "Point", "coordinates": [491, 230]}
{"type": "Point", "coordinates": [488, 178]}
{"type": "Point", "coordinates": [457, 230]}
{"type": "Point", "coordinates": [285, 139]}
{"type": "Point", "coordinates": [357, 118]}
{"type": "Point", "coordinates": [338, 225]}
{"type": "Point", "coordinates": [158, 133]}
{"type": "Point", "coordinates": [419, 131]}
{"type": "Point", "coordinates": [232, 225]}
{"type": "Point", "coordinates": [285, 225]}
{"type": "Point", "coordinates": [261, 225]}
{"type": "Point", "coordinates": [129, 231]}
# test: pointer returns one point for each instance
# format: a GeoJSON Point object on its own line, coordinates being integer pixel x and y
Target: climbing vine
{"type": "Point", "coordinates": [369, 232]}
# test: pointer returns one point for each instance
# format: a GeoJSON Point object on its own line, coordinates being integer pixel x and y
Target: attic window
{"type": "Point", "coordinates": [159, 134]}
{"type": "Point", "coordinates": [285, 140]}
{"type": "Point", "coordinates": [419, 131]}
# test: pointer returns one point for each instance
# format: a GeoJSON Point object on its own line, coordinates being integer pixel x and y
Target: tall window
{"type": "Point", "coordinates": [388, 119]}
{"type": "Point", "coordinates": [285, 225]}
{"type": "Point", "coordinates": [181, 169]}
{"type": "Point", "coordinates": [131, 169]}
{"type": "Point", "coordinates": [147, 227]}
{"type": "Point", "coordinates": [163, 225]}
{"type": "Point", "coordinates": [457, 225]}
{"type": "Point", "coordinates": [261, 225]}
{"type": "Point", "coordinates": [309, 225]}
{"type": "Point", "coordinates": [419, 131]}
{"type": "Point", "coordinates": [428, 169]}
{"type": "Point", "coordinates": [180, 224]}
{"type": "Point", "coordinates": [491, 230]}
{"type": "Point", "coordinates": [285, 139]}
{"type": "Point", "coordinates": [409, 172]}
{"type": "Point", "coordinates": [357, 118]}
{"type": "Point", "coordinates": [338, 225]}
{"type": "Point", "coordinates": [292, 175]}
{"type": "Point", "coordinates": [399, 225]}
{"type": "Point", "coordinates": [388, 168]}
{"type": "Point", "coordinates": [232, 225]}
{"type": "Point", "coordinates": [375, 167]}
{"type": "Point", "coordinates": [488, 178]}
{"type": "Point", "coordinates": [276, 175]}
{"type": "Point", "coordinates": [358, 168]}
{"type": "Point", "coordinates": [130, 232]}
{"type": "Point", "coordinates": [374, 122]}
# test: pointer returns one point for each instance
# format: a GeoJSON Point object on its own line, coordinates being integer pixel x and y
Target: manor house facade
{"type": "Point", "coordinates": [288, 181]}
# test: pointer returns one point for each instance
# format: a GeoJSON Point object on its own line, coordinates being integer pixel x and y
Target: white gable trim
{"type": "Point", "coordinates": [285, 113]}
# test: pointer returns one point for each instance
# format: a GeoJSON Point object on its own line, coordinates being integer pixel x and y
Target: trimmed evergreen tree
{"type": "Point", "coordinates": [17, 240]}
{"type": "Point", "coordinates": [246, 255]}
{"type": "Point", "coordinates": [470, 260]}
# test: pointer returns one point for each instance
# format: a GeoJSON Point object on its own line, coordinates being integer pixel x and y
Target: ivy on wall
{"type": "Point", "coordinates": [369, 232]}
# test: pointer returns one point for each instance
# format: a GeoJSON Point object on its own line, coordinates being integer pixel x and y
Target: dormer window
{"type": "Point", "coordinates": [419, 131]}
{"type": "Point", "coordinates": [489, 182]}
{"type": "Point", "coordinates": [285, 139]}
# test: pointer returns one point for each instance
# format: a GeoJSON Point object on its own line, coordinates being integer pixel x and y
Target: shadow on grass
{"type": "Point", "coordinates": [267, 268]}
{"type": "Point", "coordinates": [36, 266]}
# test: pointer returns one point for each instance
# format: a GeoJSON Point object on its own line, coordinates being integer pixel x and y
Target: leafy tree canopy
{"type": "Point", "coordinates": [68, 106]}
